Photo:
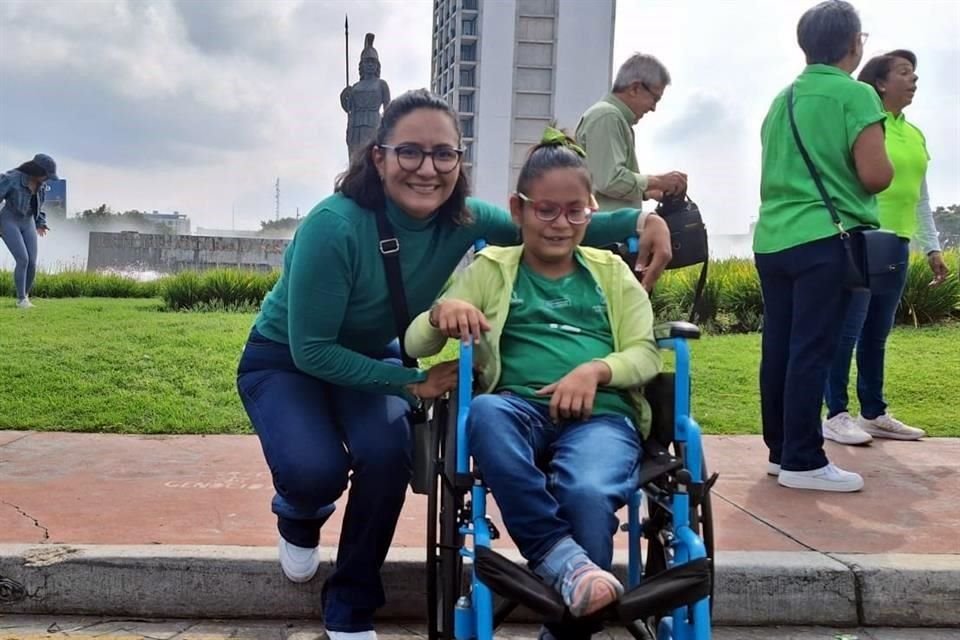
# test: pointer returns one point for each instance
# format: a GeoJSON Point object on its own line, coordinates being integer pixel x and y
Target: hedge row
{"type": "Point", "coordinates": [731, 301]}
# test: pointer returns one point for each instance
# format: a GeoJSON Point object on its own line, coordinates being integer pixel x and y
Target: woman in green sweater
{"type": "Point", "coordinates": [904, 209]}
{"type": "Point", "coordinates": [321, 375]}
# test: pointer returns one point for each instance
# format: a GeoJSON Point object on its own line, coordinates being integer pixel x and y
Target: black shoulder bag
{"type": "Point", "coordinates": [874, 256]}
{"type": "Point", "coordinates": [688, 240]}
{"type": "Point", "coordinates": [421, 427]}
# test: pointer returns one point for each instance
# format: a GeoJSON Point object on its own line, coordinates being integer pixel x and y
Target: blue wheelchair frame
{"type": "Point", "coordinates": [474, 617]}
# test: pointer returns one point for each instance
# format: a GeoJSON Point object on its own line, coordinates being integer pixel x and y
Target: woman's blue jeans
{"type": "Point", "coordinates": [20, 235]}
{"type": "Point", "coordinates": [867, 325]}
{"type": "Point", "coordinates": [315, 437]}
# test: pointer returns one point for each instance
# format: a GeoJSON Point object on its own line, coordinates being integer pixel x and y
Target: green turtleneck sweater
{"type": "Point", "coordinates": [331, 303]}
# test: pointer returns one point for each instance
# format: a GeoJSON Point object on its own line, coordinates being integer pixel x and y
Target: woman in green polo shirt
{"type": "Point", "coordinates": [905, 210]}
{"type": "Point", "coordinates": [799, 254]}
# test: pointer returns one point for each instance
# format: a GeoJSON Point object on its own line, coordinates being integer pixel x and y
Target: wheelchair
{"type": "Point", "coordinates": [668, 593]}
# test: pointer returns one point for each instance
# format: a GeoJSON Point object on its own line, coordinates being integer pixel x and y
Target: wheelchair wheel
{"type": "Point", "coordinates": [444, 503]}
{"type": "Point", "coordinates": [658, 555]}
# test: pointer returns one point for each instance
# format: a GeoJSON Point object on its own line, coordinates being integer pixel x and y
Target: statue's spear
{"type": "Point", "coordinates": [346, 39]}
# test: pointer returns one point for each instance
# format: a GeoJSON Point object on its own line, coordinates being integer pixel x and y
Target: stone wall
{"type": "Point", "coordinates": [171, 253]}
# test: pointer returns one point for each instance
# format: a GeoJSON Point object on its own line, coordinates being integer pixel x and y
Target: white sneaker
{"type": "Point", "coordinates": [773, 469]}
{"type": "Point", "coordinates": [844, 429]}
{"type": "Point", "coordinates": [25, 304]}
{"type": "Point", "coordinates": [352, 635]}
{"type": "Point", "coordinates": [828, 478]}
{"type": "Point", "coordinates": [299, 564]}
{"type": "Point", "coordinates": [886, 426]}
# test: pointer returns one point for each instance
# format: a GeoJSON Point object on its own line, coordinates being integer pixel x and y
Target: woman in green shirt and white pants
{"type": "Point", "coordinates": [904, 209]}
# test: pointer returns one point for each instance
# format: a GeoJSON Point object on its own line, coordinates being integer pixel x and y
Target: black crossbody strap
{"type": "Point", "coordinates": [390, 252]}
{"type": "Point", "coordinates": [827, 200]}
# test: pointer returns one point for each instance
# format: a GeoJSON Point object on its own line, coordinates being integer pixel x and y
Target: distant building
{"type": "Point", "coordinates": [511, 66]}
{"type": "Point", "coordinates": [178, 222]}
{"type": "Point", "coordinates": [242, 233]}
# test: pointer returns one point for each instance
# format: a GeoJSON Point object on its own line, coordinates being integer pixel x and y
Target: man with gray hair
{"type": "Point", "coordinates": [605, 131]}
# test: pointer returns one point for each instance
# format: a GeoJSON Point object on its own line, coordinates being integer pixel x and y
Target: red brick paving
{"type": "Point", "coordinates": [210, 490]}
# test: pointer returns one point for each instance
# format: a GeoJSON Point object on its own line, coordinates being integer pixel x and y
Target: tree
{"type": "Point", "coordinates": [947, 220]}
{"type": "Point", "coordinates": [280, 226]}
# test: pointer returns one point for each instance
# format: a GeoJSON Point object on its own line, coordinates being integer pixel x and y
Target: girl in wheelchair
{"type": "Point", "coordinates": [564, 338]}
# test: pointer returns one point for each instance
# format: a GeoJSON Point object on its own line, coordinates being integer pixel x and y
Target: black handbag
{"type": "Point", "coordinates": [688, 234]}
{"type": "Point", "coordinates": [422, 428]}
{"type": "Point", "coordinates": [688, 240]}
{"type": "Point", "coordinates": [874, 256]}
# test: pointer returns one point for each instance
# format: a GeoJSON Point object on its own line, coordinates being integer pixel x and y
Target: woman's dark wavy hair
{"type": "Point", "coordinates": [556, 151]}
{"type": "Point", "coordinates": [361, 182]}
{"type": "Point", "coordinates": [879, 67]}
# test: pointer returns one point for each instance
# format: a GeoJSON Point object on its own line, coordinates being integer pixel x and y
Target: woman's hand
{"type": "Point", "coordinates": [458, 319]}
{"type": "Point", "coordinates": [42, 231]}
{"type": "Point", "coordinates": [441, 378]}
{"type": "Point", "coordinates": [655, 251]}
{"type": "Point", "coordinates": [574, 393]}
{"type": "Point", "coordinates": [939, 268]}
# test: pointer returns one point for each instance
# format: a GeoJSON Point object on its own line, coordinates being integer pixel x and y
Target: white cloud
{"type": "Point", "coordinates": [199, 106]}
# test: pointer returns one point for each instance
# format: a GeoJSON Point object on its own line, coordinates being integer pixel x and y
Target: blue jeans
{"type": "Point", "coordinates": [554, 481]}
{"type": "Point", "coordinates": [315, 436]}
{"type": "Point", "coordinates": [804, 301]}
{"type": "Point", "coordinates": [868, 322]}
{"type": "Point", "coordinates": [20, 235]}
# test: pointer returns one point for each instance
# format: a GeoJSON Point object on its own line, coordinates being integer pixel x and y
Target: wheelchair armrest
{"type": "Point", "coordinates": [676, 330]}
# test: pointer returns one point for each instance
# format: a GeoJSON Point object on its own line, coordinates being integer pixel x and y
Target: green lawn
{"type": "Point", "coordinates": [124, 366]}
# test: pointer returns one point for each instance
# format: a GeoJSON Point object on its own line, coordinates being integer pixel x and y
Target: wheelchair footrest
{"type": "Point", "coordinates": [519, 584]}
{"type": "Point", "coordinates": [658, 595]}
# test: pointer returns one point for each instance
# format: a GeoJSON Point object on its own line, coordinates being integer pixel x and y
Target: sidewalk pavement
{"type": "Point", "coordinates": [14, 627]}
{"type": "Point", "coordinates": [180, 526]}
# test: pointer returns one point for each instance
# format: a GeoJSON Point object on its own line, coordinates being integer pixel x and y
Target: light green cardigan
{"type": "Point", "coordinates": [488, 283]}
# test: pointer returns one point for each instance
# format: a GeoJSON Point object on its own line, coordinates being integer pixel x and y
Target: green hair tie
{"type": "Point", "coordinates": [555, 137]}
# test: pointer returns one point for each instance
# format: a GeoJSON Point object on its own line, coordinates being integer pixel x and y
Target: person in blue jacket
{"type": "Point", "coordinates": [22, 218]}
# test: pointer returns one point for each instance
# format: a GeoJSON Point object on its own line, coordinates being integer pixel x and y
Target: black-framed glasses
{"type": "Point", "coordinates": [549, 211]}
{"type": "Point", "coordinates": [656, 96]}
{"type": "Point", "coordinates": [410, 157]}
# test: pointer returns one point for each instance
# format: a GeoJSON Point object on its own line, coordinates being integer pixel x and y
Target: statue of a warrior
{"type": "Point", "coordinates": [363, 100]}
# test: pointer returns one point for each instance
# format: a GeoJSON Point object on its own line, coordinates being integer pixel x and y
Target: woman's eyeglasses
{"type": "Point", "coordinates": [550, 211]}
{"type": "Point", "coordinates": [410, 157]}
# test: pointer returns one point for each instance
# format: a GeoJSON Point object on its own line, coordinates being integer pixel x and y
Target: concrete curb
{"type": "Point", "coordinates": [753, 588]}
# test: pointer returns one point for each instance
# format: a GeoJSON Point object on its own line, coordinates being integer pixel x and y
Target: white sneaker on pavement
{"type": "Point", "coordinates": [886, 426]}
{"type": "Point", "coordinates": [299, 564]}
{"type": "Point", "coordinates": [828, 478]}
{"type": "Point", "coordinates": [844, 429]}
{"type": "Point", "coordinates": [352, 635]}
{"type": "Point", "coordinates": [773, 469]}
{"type": "Point", "coordinates": [25, 304]}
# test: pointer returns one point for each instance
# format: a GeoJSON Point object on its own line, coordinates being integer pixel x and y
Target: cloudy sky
{"type": "Point", "coordinates": [199, 105]}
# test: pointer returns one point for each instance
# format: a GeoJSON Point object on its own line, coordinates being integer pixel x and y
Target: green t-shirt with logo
{"type": "Point", "coordinates": [907, 150]}
{"type": "Point", "coordinates": [553, 327]}
{"type": "Point", "coordinates": [831, 111]}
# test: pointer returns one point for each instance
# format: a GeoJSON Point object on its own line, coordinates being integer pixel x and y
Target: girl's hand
{"type": "Point", "coordinates": [574, 393]}
{"type": "Point", "coordinates": [458, 319]}
{"type": "Point", "coordinates": [441, 378]}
